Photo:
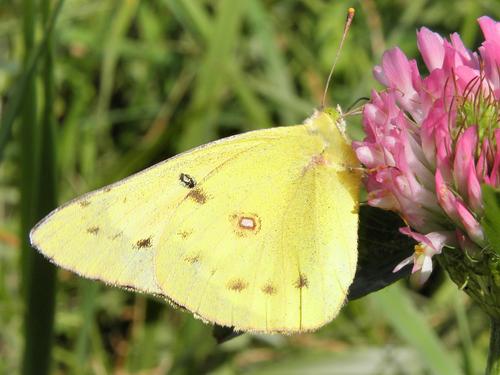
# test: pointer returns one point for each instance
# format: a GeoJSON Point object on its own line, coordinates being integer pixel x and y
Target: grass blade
{"type": "Point", "coordinates": [39, 188]}
{"type": "Point", "coordinates": [408, 322]}
{"type": "Point", "coordinates": [20, 91]}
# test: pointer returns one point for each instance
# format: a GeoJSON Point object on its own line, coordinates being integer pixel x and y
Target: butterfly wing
{"type": "Point", "coordinates": [110, 234]}
{"type": "Point", "coordinates": [256, 231]}
{"type": "Point", "coordinates": [271, 245]}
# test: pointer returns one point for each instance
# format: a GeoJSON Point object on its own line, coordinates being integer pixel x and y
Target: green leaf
{"type": "Point", "coordinates": [491, 219]}
{"type": "Point", "coordinates": [380, 248]}
{"type": "Point", "coordinates": [367, 360]}
{"type": "Point", "coordinates": [410, 325]}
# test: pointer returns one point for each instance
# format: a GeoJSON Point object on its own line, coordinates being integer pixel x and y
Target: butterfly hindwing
{"type": "Point", "coordinates": [276, 251]}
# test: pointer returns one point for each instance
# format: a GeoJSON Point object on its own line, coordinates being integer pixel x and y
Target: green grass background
{"type": "Point", "coordinates": [92, 91]}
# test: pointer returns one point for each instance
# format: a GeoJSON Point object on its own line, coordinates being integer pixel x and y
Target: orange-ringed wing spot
{"type": "Point", "coordinates": [143, 243]}
{"type": "Point", "coordinates": [84, 203]}
{"type": "Point", "coordinates": [269, 289]}
{"type": "Point", "coordinates": [301, 281]}
{"type": "Point", "coordinates": [237, 285]}
{"type": "Point", "coordinates": [93, 230]}
{"type": "Point", "coordinates": [197, 195]}
{"type": "Point", "coordinates": [187, 180]}
{"type": "Point", "coordinates": [245, 224]}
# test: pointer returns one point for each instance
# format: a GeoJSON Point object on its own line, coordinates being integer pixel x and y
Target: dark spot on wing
{"type": "Point", "coordinates": [107, 189]}
{"type": "Point", "coordinates": [187, 181]}
{"type": "Point", "coordinates": [193, 259]}
{"type": "Point", "coordinates": [301, 282]}
{"type": "Point", "coordinates": [84, 203]}
{"type": "Point", "coordinates": [198, 196]}
{"type": "Point", "coordinates": [184, 233]}
{"type": "Point", "coordinates": [119, 234]}
{"type": "Point", "coordinates": [269, 289]}
{"type": "Point", "coordinates": [237, 285]}
{"type": "Point", "coordinates": [93, 230]}
{"type": "Point", "coordinates": [146, 242]}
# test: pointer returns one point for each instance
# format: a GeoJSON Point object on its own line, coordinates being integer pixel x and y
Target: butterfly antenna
{"type": "Point", "coordinates": [350, 16]}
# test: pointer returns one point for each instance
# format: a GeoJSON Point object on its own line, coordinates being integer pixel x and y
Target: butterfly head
{"type": "Point", "coordinates": [330, 123]}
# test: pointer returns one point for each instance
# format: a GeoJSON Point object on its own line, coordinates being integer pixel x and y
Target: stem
{"type": "Point", "coordinates": [40, 193]}
{"type": "Point", "coordinates": [493, 367]}
{"type": "Point", "coordinates": [29, 140]}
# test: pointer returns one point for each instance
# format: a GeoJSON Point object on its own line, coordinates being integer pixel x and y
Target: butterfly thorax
{"type": "Point", "coordinates": [330, 126]}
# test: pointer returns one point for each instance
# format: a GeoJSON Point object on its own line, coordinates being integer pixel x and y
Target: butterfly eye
{"type": "Point", "coordinates": [187, 180]}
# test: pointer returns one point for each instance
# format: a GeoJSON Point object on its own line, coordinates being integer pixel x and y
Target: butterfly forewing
{"type": "Point", "coordinates": [111, 234]}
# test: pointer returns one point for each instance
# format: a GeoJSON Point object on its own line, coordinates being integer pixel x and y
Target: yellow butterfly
{"type": "Point", "coordinates": [256, 231]}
